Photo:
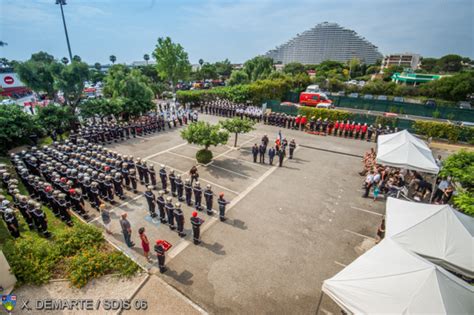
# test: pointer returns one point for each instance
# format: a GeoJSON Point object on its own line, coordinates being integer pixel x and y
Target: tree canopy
{"type": "Point", "coordinates": [237, 125]}
{"type": "Point", "coordinates": [38, 73]}
{"type": "Point", "coordinates": [172, 60]}
{"type": "Point", "coordinates": [101, 107]}
{"type": "Point", "coordinates": [204, 134]}
{"type": "Point", "coordinates": [294, 68]}
{"type": "Point", "coordinates": [16, 126]}
{"type": "Point", "coordinates": [258, 68]}
{"type": "Point", "coordinates": [238, 77]}
{"type": "Point", "coordinates": [54, 117]}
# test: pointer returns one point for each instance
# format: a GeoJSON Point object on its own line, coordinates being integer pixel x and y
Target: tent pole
{"type": "Point", "coordinates": [320, 300]}
{"type": "Point", "coordinates": [433, 188]}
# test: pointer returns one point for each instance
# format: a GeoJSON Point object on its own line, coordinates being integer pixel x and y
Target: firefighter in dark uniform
{"type": "Point", "coordinates": [64, 209]}
{"type": "Point", "coordinates": [170, 212]}
{"type": "Point", "coordinates": [12, 223]}
{"type": "Point", "coordinates": [188, 190]}
{"type": "Point", "coordinates": [208, 195]}
{"type": "Point", "coordinates": [125, 175]}
{"type": "Point", "coordinates": [139, 166]}
{"type": "Point", "coordinates": [172, 178]}
{"type": "Point", "coordinates": [109, 188]}
{"type": "Point", "coordinates": [160, 201]}
{"type": "Point", "coordinates": [196, 223]}
{"type": "Point", "coordinates": [77, 202]}
{"type": "Point", "coordinates": [94, 195]}
{"type": "Point", "coordinates": [23, 207]}
{"type": "Point", "coordinates": [179, 187]}
{"type": "Point", "coordinates": [271, 154]}
{"type": "Point", "coordinates": [160, 254]}
{"type": "Point", "coordinates": [222, 203]}
{"type": "Point", "coordinates": [118, 186]}
{"type": "Point", "coordinates": [197, 195]}
{"type": "Point", "coordinates": [146, 173]}
{"type": "Point", "coordinates": [152, 173]}
{"type": "Point", "coordinates": [178, 214]}
{"type": "Point", "coordinates": [255, 152]}
{"type": "Point", "coordinates": [292, 147]}
{"type": "Point", "coordinates": [150, 199]}
{"type": "Point", "coordinates": [41, 222]}
{"type": "Point", "coordinates": [262, 149]}
{"type": "Point", "coordinates": [163, 178]}
{"type": "Point", "coordinates": [281, 156]}
{"type": "Point", "coordinates": [133, 179]}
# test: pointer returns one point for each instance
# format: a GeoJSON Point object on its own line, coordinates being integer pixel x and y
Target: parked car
{"type": "Point", "coordinates": [324, 105]}
{"type": "Point", "coordinates": [398, 99]}
{"type": "Point", "coordinates": [430, 103]}
{"type": "Point", "coordinates": [382, 97]}
{"type": "Point", "coordinates": [341, 93]}
{"type": "Point", "coordinates": [313, 88]}
{"type": "Point", "coordinates": [368, 97]}
{"type": "Point", "coordinates": [464, 105]}
{"type": "Point", "coordinates": [354, 95]}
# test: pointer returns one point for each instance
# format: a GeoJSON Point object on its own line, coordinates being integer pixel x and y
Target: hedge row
{"type": "Point", "coordinates": [330, 114]}
{"type": "Point", "coordinates": [453, 133]}
{"type": "Point", "coordinates": [256, 92]}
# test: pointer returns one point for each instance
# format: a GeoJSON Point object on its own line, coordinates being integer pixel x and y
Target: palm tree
{"type": "Point", "coordinates": [112, 59]}
{"type": "Point", "coordinates": [146, 57]}
{"type": "Point", "coordinates": [2, 43]}
{"type": "Point", "coordinates": [76, 58]}
{"type": "Point", "coordinates": [65, 60]}
{"type": "Point", "coordinates": [201, 62]}
{"type": "Point", "coordinates": [97, 66]}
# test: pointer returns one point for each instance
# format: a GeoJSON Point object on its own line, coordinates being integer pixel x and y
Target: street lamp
{"type": "Point", "coordinates": [61, 3]}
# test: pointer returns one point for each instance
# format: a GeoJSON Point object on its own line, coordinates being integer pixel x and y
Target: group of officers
{"type": "Point", "coordinates": [227, 108]}
{"type": "Point", "coordinates": [341, 128]}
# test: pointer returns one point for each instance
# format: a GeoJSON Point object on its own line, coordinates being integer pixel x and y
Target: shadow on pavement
{"type": "Point", "coordinates": [216, 248]}
{"type": "Point", "coordinates": [184, 277]}
{"type": "Point", "coordinates": [236, 223]}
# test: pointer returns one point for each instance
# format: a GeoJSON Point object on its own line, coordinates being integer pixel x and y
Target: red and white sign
{"type": "Point", "coordinates": [10, 80]}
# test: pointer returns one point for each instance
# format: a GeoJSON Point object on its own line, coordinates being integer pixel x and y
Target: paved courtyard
{"type": "Point", "coordinates": [288, 228]}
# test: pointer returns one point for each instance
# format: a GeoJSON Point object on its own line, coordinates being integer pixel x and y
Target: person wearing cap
{"type": "Point", "coordinates": [152, 174]}
{"type": "Point", "coordinates": [160, 254]}
{"type": "Point", "coordinates": [197, 195]}
{"type": "Point", "coordinates": [179, 187]}
{"type": "Point", "coordinates": [126, 230]}
{"type": "Point", "coordinates": [105, 215]}
{"type": "Point", "coordinates": [40, 219]}
{"type": "Point", "coordinates": [23, 207]}
{"type": "Point", "coordinates": [133, 179]}
{"type": "Point", "coordinates": [222, 203]}
{"type": "Point", "coordinates": [196, 223]}
{"type": "Point", "coordinates": [292, 147]}
{"type": "Point", "coordinates": [64, 209]}
{"type": "Point", "coordinates": [163, 177]}
{"type": "Point", "coordinates": [170, 212]}
{"type": "Point", "coordinates": [160, 201]}
{"type": "Point", "coordinates": [150, 198]}
{"type": "Point", "coordinates": [12, 223]}
{"type": "Point", "coordinates": [188, 191]}
{"type": "Point", "coordinates": [208, 196]}
{"type": "Point", "coordinates": [172, 178]}
{"type": "Point", "coordinates": [178, 214]}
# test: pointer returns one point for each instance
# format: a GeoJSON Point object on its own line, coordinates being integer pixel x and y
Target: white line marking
{"type": "Point", "coordinates": [361, 235]}
{"type": "Point", "coordinates": [178, 249]}
{"type": "Point", "coordinates": [368, 211]}
{"type": "Point", "coordinates": [340, 264]}
{"type": "Point", "coordinates": [236, 173]}
{"type": "Point", "coordinates": [167, 150]}
{"type": "Point", "coordinates": [183, 156]}
{"type": "Point", "coordinates": [245, 161]}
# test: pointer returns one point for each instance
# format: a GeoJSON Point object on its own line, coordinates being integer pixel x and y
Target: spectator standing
{"type": "Point", "coordinates": [145, 243]}
{"type": "Point", "coordinates": [369, 180]}
{"type": "Point", "coordinates": [126, 230]}
{"type": "Point", "coordinates": [105, 215]}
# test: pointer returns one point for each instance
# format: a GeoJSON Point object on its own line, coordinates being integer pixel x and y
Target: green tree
{"type": "Point", "coordinates": [389, 71]}
{"type": "Point", "coordinates": [70, 80]}
{"type": "Point", "coordinates": [237, 125]}
{"type": "Point", "coordinates": [54, 117]}
{"type": "Point", "coordinates": [76, 58]}
{"type": "Point", "coordinates": [201, 62]}
{"type": "Point", "coordinates": [430, 65]}
{"type": "Point", "coordinates": [137, 95]}
{"type": "Point", "coordinates": [450, 63]}
{"type": "Point", "coordinates": [38, 73]}
{"type": "Point", "coordinates": [16, 127]}
{"type": "Point", "coordinates": [294, 68]}
{"type": "Point", "coordinates": [97, 66]}
{"type": "Point", "coordinates": [258, 68]}
{"type": "Point", "coordinates": [204, 134]}
{"type": "Point", "coordinates": [208, 71]}
{"type": "Point", "coordinates": [101, 108]}
{"type": "Point", "coordinates": [224, 68]}
{"type": "Point", "coordinates": [460, 166]}
{"type": "Point", "coordinates": [238, 77]}
{"type": "Point", "coordinates": [454, 88]}
{"type": "Point", "coordinates": [112, 59]}
{"type": "Point", "coordinates": [64, 60]}
{"type": "Point", "coordinates": [113, 80]}
{"type": "Point", "coordinates": [146, 57]}
{"type": "Point", "coordinates": [172, 61]}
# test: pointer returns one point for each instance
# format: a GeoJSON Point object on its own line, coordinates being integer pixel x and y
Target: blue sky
{"type": "Point", "coordinates": [238, 29]}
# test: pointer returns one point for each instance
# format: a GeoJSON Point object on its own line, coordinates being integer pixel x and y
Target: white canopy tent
{"type": "Point", "coordinates": [388, 279]}
{"type": "Point", "coordinates": [404, 150]}
{"type": "Point", "coordinates": [437, 232]}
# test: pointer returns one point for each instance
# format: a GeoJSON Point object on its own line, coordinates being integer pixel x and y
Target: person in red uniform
{"type": "Point", "coordinates": [351, 131]}
{"type": "Point", "coordinates": [341, 128]}
{"type": "Point", "coordinates": [363, 131]}
{"type": "Point", "coordinates": [297, 121]}
{"type": "Point", "coordinates": [303, 122]}
{"type": "Point", "coordinates": [357, 131]}
{"type": "Point", "coordinates": [347, 128]}
{"type": "Point", "coordinates": [336, 127]}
